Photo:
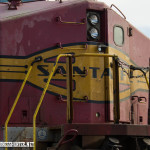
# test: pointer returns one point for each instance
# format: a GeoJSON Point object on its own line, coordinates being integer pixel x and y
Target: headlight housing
{"type": "Point", "coordinates": [93, 19]}
{"type": "Point", "coordinates": [93, 33]}
{"type": "Point", "coordinates": [93, 26]}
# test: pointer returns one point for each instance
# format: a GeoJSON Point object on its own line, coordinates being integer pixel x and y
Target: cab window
{"type": "Point", "coordinates": [118, 35]}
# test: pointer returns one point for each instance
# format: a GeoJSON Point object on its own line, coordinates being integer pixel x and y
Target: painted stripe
{"type": "Point", "coordinates": [56, 47]}
{"type": "Point", "coordinates": [14, 66]}
{"type": "Point", "coordinates": [66, 45]}
{"type": "Point", "coordinates": [13, 71]}
{"type": "Point", "coordinates": [77, 99]}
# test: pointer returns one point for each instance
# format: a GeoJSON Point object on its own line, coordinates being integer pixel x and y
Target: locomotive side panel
{"type": "Point", "coordinates": [119, 45]}
{"type": "Point", "coordinates": [47, 29]}
{"type": "Point", "coordinates": [139, 45]}
{"type": "Point", "coordinates": [41, 34]}
{"type": "Point", "coordinates": [32, 31]}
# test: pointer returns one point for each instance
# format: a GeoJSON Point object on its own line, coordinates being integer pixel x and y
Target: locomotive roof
{"type": "Point", "coordinates": [37, 6]}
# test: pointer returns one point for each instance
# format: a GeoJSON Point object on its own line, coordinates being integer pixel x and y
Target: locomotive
{"type": "Point", "coordinates": [74, 76]}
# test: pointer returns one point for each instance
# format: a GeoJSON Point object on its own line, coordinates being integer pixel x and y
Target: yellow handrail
{"type": "Point", "coordinates": [75, 48]}
{"type": "Point", "coordinates": [43, 94]}
{"type": "Point", "coordinates": [146, 80]}
{"type": "Point", "coordinates": [48, 81]}
{"type": "Point", "coordinates": [15, 103]}
{"type": "Point", "coordinates": [37, 59]}
{"type": "Point", "coordinates": [69, 22]}
{"type": "Point", "coordinates": [94, 55]}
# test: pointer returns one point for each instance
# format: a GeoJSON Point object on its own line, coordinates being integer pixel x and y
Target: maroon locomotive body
{"type": "Point", "coordinates": [98, 91]}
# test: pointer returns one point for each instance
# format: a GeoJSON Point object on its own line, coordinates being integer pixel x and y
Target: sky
{"type": "Point", "coordinates": [137, 12]}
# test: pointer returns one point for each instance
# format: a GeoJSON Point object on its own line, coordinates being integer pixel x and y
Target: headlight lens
{"type": "Point", "coordinates": [93, 19]}
{"type": "Point", "coordinates": [94, 33]}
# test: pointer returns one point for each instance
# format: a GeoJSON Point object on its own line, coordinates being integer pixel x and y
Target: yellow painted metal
{"type": "Point", "coordinates": [48, 81]}
{"type": "Point", "coordinates": [15, 103]}
{"type": "Point", "coordinates": [87, 62]}
{"type": "Point", "coordinates": [73, 22]}
{"type": "Point", "coordinates": [94, 55]}
{"type": "Point", "coordinates": [80, 62]}
{"type": "Point", "coordinates": [43, 94]}
{"type": "Point", "coordinates": [69, 22]}
{"type": "Point", "coordinates": [76, 48]}
{"type": "Point", "coordinates": [146, 80]}
{"type": "Point", "coordinates": [76, 74]}
{"type": "Point", "coordinates": [69, 90]}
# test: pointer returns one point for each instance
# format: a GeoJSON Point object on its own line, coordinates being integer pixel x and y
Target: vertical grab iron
{"type": "Point", "coordinates": [69, 90]}
{"type": "Point", "coordinates": [43, 94]}
{"type": "Point", "coordinates": [116, 90]}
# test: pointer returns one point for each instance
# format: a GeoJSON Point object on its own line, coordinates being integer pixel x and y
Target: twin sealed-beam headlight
{"type": "Point", "coordinates": [93, 26]}
{"type": "Point", "coordinates": [93, 19]}
{"type": "Point", "coordinates": [93, 33]}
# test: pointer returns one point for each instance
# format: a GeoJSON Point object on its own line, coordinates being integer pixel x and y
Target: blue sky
{"type": "Point", "coordinates": [136, 11]}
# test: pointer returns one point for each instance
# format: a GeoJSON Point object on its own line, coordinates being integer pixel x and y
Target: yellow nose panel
{"type": "Point", "coordinates": [92, 76]}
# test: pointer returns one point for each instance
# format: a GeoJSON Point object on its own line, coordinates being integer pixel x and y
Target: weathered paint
{"type": "Point", "coordinates": [33, 31]}
{"type": "Point", "coordinates": [94, 79]}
